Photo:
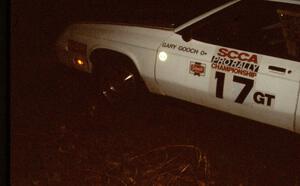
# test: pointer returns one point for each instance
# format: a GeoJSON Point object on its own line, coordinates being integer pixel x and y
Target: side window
{"type": "Point", "coordinates": [290, 26]}
{"type": "Point", "coordinates": [267, 27]}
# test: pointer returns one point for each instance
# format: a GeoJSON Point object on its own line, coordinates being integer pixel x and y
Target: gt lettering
{"type": "Point", "coordinates": [263, 99]}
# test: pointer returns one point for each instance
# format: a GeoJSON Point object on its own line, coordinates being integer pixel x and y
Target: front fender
{"type": "Point", "coordinates": [113, 46]}
{"type": "Point", "coordinates": [143, 58]}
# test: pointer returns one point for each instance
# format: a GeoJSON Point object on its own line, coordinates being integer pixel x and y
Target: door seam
{"type": "Point", "coordinates": [296, 108]}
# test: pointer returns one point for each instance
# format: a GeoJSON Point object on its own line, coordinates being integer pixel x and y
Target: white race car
{"type": "Point", "coordinates": [242, 57]}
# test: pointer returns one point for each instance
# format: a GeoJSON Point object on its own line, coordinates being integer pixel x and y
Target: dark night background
{"type": "Point", "coordinates": [58, 139]}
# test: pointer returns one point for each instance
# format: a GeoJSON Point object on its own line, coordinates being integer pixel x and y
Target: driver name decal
{"type": "Point", "coordinates": [183, 48]}
{"type": "Point", "coordinates": [236, 62]}
{"type": "Point", "coordinates": [169, 45]}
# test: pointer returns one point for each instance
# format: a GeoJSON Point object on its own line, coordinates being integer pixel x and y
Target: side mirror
{"type": "Point", "coordinates": [187, 36]}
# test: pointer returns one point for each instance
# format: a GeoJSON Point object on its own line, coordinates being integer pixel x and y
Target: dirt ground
{"type": "Point", "coordinates": [60, 135]}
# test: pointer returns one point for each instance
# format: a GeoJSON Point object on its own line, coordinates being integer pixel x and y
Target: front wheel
{"type": "Point", "coordinates": [119, 83]}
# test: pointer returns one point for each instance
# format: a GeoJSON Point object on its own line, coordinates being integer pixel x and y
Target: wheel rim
{"type": "Point", "coordinates": [118, 85]}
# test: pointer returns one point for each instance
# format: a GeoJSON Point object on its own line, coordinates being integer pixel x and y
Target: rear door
{"type": "Point", "coordinates": [243, 60]}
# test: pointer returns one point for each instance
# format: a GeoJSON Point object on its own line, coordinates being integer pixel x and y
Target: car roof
{"type": "Point", "coordinates": [296, 2]}
{"type": "Point", "coordinates": [213, 11]}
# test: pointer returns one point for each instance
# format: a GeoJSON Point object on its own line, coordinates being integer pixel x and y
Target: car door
{"type": "Point", "coordinates": [243, 60]}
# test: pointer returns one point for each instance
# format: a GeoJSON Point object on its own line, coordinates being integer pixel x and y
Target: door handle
{"type": "Point", "coordinates": [277, 69]}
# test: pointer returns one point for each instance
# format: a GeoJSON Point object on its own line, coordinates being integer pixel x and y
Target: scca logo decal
{"type": "Point", "coordinates": [232, 54]}
{"type": "Point", "coordinates": [240, 63]}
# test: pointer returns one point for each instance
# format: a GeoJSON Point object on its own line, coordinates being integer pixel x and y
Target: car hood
{"type": "Point", "coordinates": [144, 24]}
{"type": "Point", "coordinates": [147, 36]}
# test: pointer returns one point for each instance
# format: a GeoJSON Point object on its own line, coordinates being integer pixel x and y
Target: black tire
{"type": "Point", "coordinates": [117, 80]}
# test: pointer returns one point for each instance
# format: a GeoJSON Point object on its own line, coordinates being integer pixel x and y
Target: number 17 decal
{"type": "Point", "coordinates": [220, 76]}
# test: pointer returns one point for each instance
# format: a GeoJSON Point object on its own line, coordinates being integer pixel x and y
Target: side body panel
{"type": "Point", "coordinates": [192, 72]}
{"type": "Point", "coordinates": [297, 115]}
{"type": "Point", "coordinates": [139, 44]}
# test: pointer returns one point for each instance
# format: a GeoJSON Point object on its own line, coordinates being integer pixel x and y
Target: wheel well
{"type": "Point", "coordinates": [101, 57]}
